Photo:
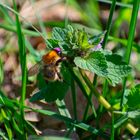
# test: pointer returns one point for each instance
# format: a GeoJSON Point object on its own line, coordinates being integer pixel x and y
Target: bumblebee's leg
{"type": "Point", "coordinates": [59, 77]}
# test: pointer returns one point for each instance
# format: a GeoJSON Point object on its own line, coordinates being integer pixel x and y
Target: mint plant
{"type": "Point", "coordinates": [80, 50]}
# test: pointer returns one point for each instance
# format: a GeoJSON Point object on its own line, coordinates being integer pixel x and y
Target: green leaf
{"type": "Point", "coordinates": [16, 127]}
{"type": "Point", "coordinates": [76, 43]}
{"type": "Point", "coordinates": [81, 39]}
{"type": "Point", "coordinates": [54, 90]}
{"type": "Point", "coordinates": [117, 69]}
{"type": "Point", "coordinates": [126, 93]}
{"type": "Point", "coordinates": [133, 98]}
{"type": "Point", "coordinates": [4, 101]}
{"type": "Point", "coordinates": [109, 66]}
{"type": "Point", "coordinates": [134, 114]}
{"type": "Point", "coordinates": [62, 37]}
{"type": "Point", "coordinates": [59, 34]}
{"type": "Point", "coordinates": [74, 38]}
{"type": "Point", "coordinates": [7, 125]}
{"type": "Point", "coordinates": [40, 95]}
{"type": "Point", "coordinates": [52, 43]}
{"type": "Point", "coordinates": [94, 62]}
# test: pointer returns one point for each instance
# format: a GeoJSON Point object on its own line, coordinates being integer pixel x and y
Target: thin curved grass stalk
{"type": "Point", "coordinates": [41, 24]}
{"type": "Point", "coordinates": [13, 29]}
{"type": "Point", "coordinates": [66, 12]}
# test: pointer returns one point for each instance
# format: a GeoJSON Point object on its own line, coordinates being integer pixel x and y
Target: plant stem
{"type": "Point", "coordinates": [130, 40]}
{"type": "Point", "coordinates": [105, 90]}
{"type": "Point", "coordinates": [112, 9]}
{"type": "Point", "coordinates": [95, 92]}
{"type": "Point", "coordinates": [131, 128]}
{"type": "Point", "coordinates": [105, 103]}
{"type": "Point", "coordinates": [73, 91]}
{"type": "Point", "coordinates": [84, 88]}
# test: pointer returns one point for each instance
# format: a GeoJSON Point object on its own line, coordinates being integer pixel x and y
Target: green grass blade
{"type": "Point", "coordinates": [132, 30]}
{"type": "Point", "coordinates": [2, 135]}
{"type": "Point", "coordinates": [22, 52]}
{"type": "Point", "coordinates": [71, 121]}
{"type": "Point", "coordinates": [63, 111]}
{"type": "Point", "coordinates": [62, 108]}
{"type": "Point", "coordinates": [6, 15]}
{"type": "Point", "coordinates": [130, 40]}
{"type": "Point", "coordinates": [16, 127]}
{"type": "Point", "coordinates": [14, 29]}
{"type": "Point", "coordinates": [7, 124]}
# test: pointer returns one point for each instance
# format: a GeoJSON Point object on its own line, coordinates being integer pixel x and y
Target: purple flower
{"type": "Point", "coordinates": [98, 47]}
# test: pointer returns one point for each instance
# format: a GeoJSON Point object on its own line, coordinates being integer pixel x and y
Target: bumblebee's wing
{"type": "Point", "coordinates": [34, 69]}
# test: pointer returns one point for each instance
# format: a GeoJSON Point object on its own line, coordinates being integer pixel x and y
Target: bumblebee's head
{"type": "Point", "coordinates": [58, 50]}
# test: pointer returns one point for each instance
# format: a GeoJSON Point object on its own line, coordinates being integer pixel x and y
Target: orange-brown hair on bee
{"type": "Point", "coordinates": [51, 57]}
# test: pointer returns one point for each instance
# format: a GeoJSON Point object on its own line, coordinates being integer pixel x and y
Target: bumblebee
{"type": "Point", "coordinates": [49, 66]}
